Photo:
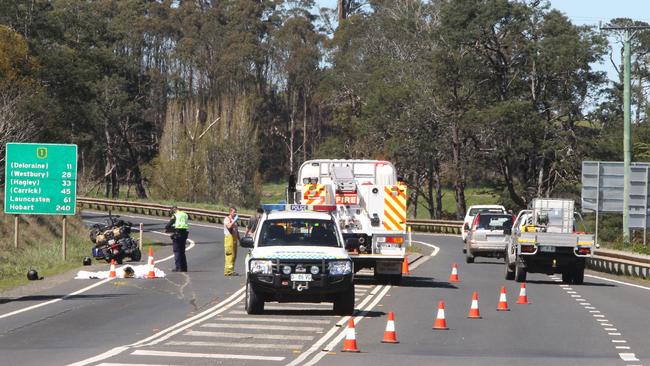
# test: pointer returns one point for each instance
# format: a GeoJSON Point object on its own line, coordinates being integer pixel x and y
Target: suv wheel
{"type": "Point", "coordinates": [254, 305]}
{"type": "Point", "coordinates": [344, 302]}
{"type": "Point", "coordinates": [520, 272]}
{"type": "Point", "coordinates": [510, 273]}
{"type": "Point", "coordinates": [469, 257]}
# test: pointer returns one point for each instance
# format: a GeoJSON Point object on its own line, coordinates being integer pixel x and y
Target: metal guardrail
{"type": "Point", "coordinates": [603, 260]}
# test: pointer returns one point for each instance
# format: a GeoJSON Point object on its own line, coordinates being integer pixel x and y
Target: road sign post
{"type": "Point", "coordinates": [41, 179]}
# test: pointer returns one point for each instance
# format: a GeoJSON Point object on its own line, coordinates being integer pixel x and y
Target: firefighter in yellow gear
{"type": "Point", "coordinates": [230, 241]}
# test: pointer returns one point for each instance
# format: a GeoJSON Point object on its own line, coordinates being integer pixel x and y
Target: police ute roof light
{"type": "Point", "coordinates": [282, 207]}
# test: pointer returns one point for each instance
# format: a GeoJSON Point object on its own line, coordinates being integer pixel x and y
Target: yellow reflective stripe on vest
{"type": "Point", "coordinates": [180, 220]}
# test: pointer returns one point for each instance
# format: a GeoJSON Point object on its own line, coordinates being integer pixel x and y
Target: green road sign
{"type": "Point", "coordinates": [41, 179]}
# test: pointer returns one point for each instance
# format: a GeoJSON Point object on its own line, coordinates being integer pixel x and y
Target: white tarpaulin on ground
{"type": "Point", "coordinates": [139, 271]}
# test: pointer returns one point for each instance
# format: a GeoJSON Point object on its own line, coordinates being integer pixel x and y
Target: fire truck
{"type": "Point", "coordinates": [370, 209]}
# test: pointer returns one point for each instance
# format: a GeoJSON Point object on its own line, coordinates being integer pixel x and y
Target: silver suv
{"type": "Point", "coordinates": [486, 237]}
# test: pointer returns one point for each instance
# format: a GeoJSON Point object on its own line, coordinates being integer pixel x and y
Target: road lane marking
{"type": "Point", "coordinates": [619, 282]}
{"type": "Point", "coordinates": [131, 364]}
{"type": "Point", "coordinates": [606, 324]}
{"type": "Point", "coordinates": [234, 345]}
{"type": "Point", "coordinates": [611, 329]}
{"type": "Point", "coordinates": [275, 320]}
{"type": "Point", "coordinates": [197, 333]}
{"type": "Point", "coordinates": [205, 355]}
{"type": "Point", "coordinates": [171, 330]}
{"type": "Point", "coordinates": [571, 292]}
{"type": "Point", "coordinates": [343, 332]}
{"type": "Point", "coordinates": [585, 304]}
{"type": "Point", "coordinates": [262, 327]}
{"type": "Point", "coordinates": [317, 345]}
{"type": "Point", "coordinates": [297, 308]}
{"type": "Point", "coordinates": [598, 315]}
{"type": "Point", "coordinates": [618, 341]}
{"type": "Point", "coordinates": [81, 291]}
{"type": "Point", "coordinates": [628, 357]}
{"type": "Point", "coordinates": [594, 311]}
{"type": "Point", "coordinates": [622, 347]}
{"type": "Point", "coordinates": [589, 307]}
{"type": "Point", "coordinates": [614, 334]}
{"type": "Point", "coordinates": [576, 296]}
{"type": "Point", "coordinates": [602, 320]}
{"type": "Point", "coordinates": [435, 248]}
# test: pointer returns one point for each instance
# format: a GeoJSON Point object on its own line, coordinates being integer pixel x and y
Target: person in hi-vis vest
{"type": "Point", "coordinates": [230, 241]}
{"type": "Point", "coordinates": [178, 226]}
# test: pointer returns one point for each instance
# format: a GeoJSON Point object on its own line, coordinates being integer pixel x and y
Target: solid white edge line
{"type": "Point", "coordinates": [317, 357]}
{"type": "Point", "coordinates": [619, 282]}
{"type": "Point", "coordinates": [435, 248]}
{"type": "Point", "coordinates": [170, 331]}
{"type": "Point", "coordinates": [80, 291]}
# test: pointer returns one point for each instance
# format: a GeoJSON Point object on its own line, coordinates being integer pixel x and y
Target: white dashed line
{"type": "Point", "coordinates": [614, 334]}
{"type": "Point", "coordinates": [585, 304]}
{"type": "Point", "coordinates": [622, 347]}
{"type": "Point", "coordinates": [589, 307]}
{"type": "Point", "coordinates": [275, 320]}
{"type": "Point", "coordinates": [628, 356]}
{"type": "Point", "coordinates": [571, 292]}
{"type": "Point", "coordinates": [606, 325]}
{"type": "Point", "coordinates": [594, 311]}
{"type": "Point", "coordinates": [598, 315]}
{"type": "Point", "coordinates": [619, 341]}
{"type": "Point", "coordinates": [205, 355]}
{"type": "Point", "coordinates": [196, 333]}
{"type": "Point", "coordinates": [577, 296]}
{"type": "Point", "coordinates": [235, 345]}
{"type": "Point", "coordinates": [611, 329]}
{"type": "Point", "coordinates": [262, 327]}
{"type": "Point", "coordinates": [602, 320]}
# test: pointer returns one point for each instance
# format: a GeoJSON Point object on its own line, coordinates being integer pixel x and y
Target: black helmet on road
{"type": "Point", "coordinates": [32, 275]}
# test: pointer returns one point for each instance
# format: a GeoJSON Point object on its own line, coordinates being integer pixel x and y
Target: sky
{"type": "Point", "coordinates": [587, 12]}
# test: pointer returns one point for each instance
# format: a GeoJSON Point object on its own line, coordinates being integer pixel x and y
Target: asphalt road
{"type": "Point", "coordinates": [198, 318]}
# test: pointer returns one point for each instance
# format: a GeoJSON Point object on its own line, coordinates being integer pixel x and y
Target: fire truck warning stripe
{"type": "Point", "coordinates": [389, 222]}
{"type": "Point", "coordinates": [399, 200]}
{"type": "Point", "coordinates": [397, 216]}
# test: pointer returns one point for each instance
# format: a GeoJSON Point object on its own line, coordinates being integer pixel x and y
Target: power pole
{"type": "Point", "coordinates": [629, 31]}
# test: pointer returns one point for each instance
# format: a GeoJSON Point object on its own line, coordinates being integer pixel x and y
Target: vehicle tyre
{"type": "Point", "coordinates": [568, 275]}
{"type": "Point", "coordinates": [254, 305]}
{"type": "Point", "coordinates": [136, 255]}
{"type": "Point", "coordinates": [344, 302]}
{"type": "Point", "coordinates": [510, 273]}
{"type": "Point", "coordinates": [469, 257]}
{"type": "Point", "coordinates": [520, 273]}
{"type": "Point", "coordinates": [579, 276]}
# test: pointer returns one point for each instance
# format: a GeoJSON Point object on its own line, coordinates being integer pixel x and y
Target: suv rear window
{"type": "Point", "coordinates": [308, 232]}
{"type": "Point", "coordinates": [494, 222]}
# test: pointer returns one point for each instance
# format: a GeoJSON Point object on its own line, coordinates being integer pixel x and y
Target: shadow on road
{"type": "Point", "coordinates": [489, 262]}
{"type": "Point", "coordinates": [424, 282]}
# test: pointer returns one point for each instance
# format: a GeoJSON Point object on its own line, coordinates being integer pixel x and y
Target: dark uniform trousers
{"type": "Point", "coordinates": [179, 238]}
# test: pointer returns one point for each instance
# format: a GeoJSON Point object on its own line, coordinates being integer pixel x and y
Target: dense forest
{"type": "Point", "coordinates": [205, 100]}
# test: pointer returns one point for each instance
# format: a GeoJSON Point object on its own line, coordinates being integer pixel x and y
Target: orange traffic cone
{"type": "Point", "coordinates": [405, 267]}
{"type": "Point", "coordinates": [454, 273]}
{"type": "Point", "coordinates": [111, 273]}
{"type": "Point", "coordinates": [440, 322]}
{"type": "Point", "coordinates": [350, 343]}
{"type": "Point", "coordinates": [390, 336]}
{"type": "Point", "coordinates": [523, 299]}
{"type": "Point", "coordinates": [503, 303]}
{"type": "Point", "coordinates": [473, 309]}
{"type": "Point", "coordinates": [152, 272]}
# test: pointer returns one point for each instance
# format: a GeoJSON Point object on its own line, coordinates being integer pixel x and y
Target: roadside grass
{"type": "Point", "coordinates": [39, 248]}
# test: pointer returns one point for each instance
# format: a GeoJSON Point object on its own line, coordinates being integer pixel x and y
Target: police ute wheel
{"type": "Point", "coordinates": [254, 305]}
{"type": "Point", "coordinates": [344, 303]}
{"type": "Point", "coordinates": [469, 257]}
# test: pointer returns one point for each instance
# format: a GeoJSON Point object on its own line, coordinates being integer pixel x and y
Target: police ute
{"type": "Point", "coordinates": [298, 255]}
